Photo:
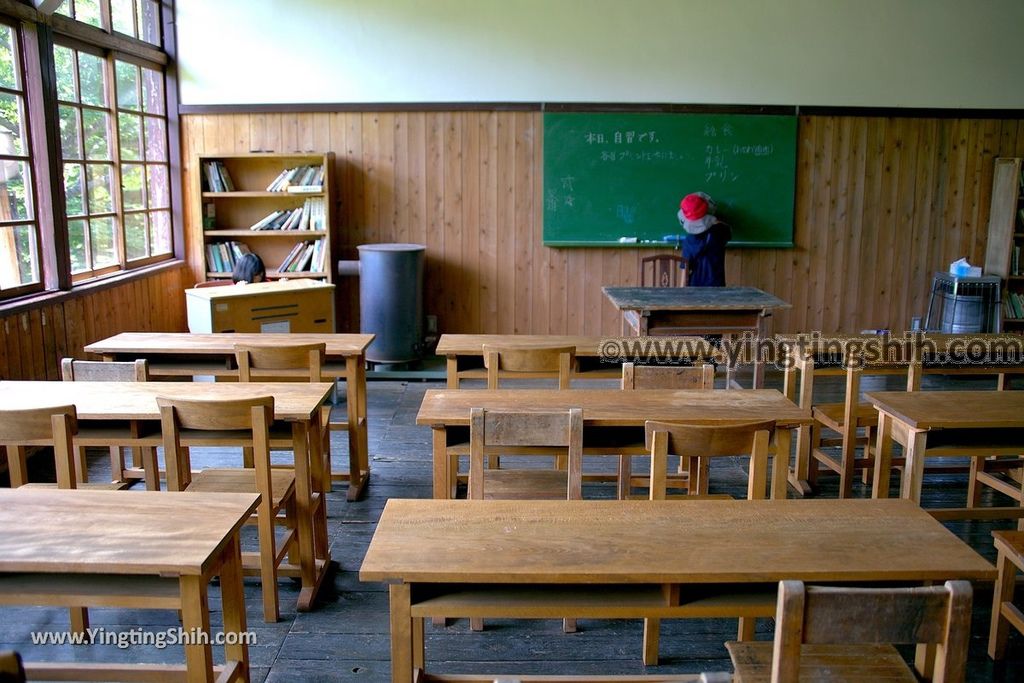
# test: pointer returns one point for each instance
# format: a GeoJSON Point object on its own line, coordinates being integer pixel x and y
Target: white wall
{"type": "Point", "coordinates": [892, 53]}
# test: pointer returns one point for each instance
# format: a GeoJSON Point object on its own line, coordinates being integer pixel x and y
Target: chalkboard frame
{"type": "Point", "coordinates": [775, 231]}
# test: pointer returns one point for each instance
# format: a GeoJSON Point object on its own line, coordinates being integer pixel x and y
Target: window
{"type": "Point", "coordinates": [20, 270]}
{"type": "Point", "coordinates": [109, 100]}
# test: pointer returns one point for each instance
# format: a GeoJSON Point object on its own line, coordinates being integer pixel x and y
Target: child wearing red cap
{"type": "Point", "coordinates": [704, 243]}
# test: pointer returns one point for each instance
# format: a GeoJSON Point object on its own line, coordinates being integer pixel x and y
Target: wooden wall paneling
{"type": "Point", "coordinates": [46, 318]}
{"type": "Point", "coordinates": [543, 287]}
{"type": "Point", "coordinates": [922, 226]}
{"type": "Point", "coordinates": [795, 317]}
{"type": "Point", "coordinates": [290, 133]}
{"type": "Point", "coordinates": [524, 299]}
{"type": "Point", "coordinates": [12, 339]}
{"type": "Point", "coordinates": [867, 304]}
{"type": "Point", "coordinates": [433, 180]}
{"type": "Point", "coordinates": [888, 226]}
{"type": "Point", "coordinates": [487, 241]}
{"type": "Point", "coordinates": [468, 308]}
{"type": "Point", "coordinates": [355, 228]}
{"type": "Point", "coordinates": [822, 222]}
{"type": "Point", "coordinates": [839, 174]}
{"type": "Point", "coordinates": [505, 229]}
{"type": "Point", "coordinates": [60, 340]}
{"type": "Point", "coordinates": [903, 285]}
{"type": "Point", "coordinates": [452, 206]}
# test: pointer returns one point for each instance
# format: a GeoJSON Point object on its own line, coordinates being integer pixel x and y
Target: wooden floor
{"type": "Point", "coordinates": [346, 638]}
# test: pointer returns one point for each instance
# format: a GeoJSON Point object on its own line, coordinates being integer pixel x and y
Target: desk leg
{"type": "Point", "coordinates": [304, 512]}
{"type": "Point", "coordinates": [780, 463]}
{"type": "Point", "coordinates": [320, 473]}
{"type": "Point", "coordinates": [442, 477]}
{"type": "Point", "coordinates": [401, 633]}
{"type": "Point", "coordinates": [233, 605]}
{"type": "Point", "coordinates": [195, 619]}
{"type": "Point", "coordinates": [358, 443]}
{"type": "Point", "coordinates": [913, 470]}
{"type": "Point", "coordinates": [883, 457]}
{"type": "Point", "coordinates": [452, 371]}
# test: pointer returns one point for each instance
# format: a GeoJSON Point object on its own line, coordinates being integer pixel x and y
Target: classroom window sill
{"type": "Point", "coordinates": [121, 277]}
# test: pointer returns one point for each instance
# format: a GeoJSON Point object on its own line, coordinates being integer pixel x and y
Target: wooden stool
{"type": "Point", "coordinates": [1010, 545]}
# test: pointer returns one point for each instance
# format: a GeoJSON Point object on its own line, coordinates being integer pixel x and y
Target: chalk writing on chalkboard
{"type": "Point", "coordinates": [614, 176]}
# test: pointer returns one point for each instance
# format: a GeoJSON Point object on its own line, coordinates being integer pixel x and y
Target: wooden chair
{"type": "Point", "coordinates": [246, 423]}
{"type": "Point", "coordinates": [54, 427]}
{"type": "Point", "coordinates": [698, 444]}
{"type": "Point", "coordinates": [1010, 560]}
{"type": "Point", "coordinates": [847, 419]}
{"type": "Point", "coordinates": [138, 436]}
{"type": "Point", "coordinates": [292, 362]}
{"type": "Point", "coordinates": [700, 377]}
{"type": "Point", "coordinates": [529, 431]}
{"type": "Point", "coordinates": [666, 270]}
{"type": "Point", "coordinates": [212, 283]}
{"type": "Point", "coordinates": [846, 634]}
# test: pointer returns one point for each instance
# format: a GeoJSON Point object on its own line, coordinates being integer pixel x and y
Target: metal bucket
{"type": "Point", "coordinates": [963, 314]}
{"type": "Point", "coordinates": [391, 300]}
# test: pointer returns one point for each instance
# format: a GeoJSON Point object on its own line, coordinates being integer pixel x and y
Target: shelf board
{"type": "Point", "coordinates": [271, 274]}
{"type": "Point", "coordinates": [245, 232]}
{"type": "Point", "coordinates": [256, 194]}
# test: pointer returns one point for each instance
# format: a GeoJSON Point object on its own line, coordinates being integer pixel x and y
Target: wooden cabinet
{"type": "Point", "coordinates": [1006, 239]}
{"type": "Point", "coordinates": [286, 306]}
{"type": "Point", "coordinates": [231, 196]}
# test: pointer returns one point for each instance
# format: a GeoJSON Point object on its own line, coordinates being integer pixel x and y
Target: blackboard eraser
{"type": "Point", "coordinates": [627, 240]}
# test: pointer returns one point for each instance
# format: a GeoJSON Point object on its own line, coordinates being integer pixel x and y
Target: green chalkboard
{"type": "Point", "coordinates": [609, 176]}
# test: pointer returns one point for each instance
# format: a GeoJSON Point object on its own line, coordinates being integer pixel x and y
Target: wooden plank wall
{"type": "Point", "coordinates": [881, 203]}
{"type": "Point", "coordinates": [33, 342]}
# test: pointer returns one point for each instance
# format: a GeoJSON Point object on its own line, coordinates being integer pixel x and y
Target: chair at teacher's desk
{"type": "Point", "coordinates": [663, 270]}
{"type": "Point", "coordinates": [246, 423]}
{"type": "Point", "coordinates": [846, 634]}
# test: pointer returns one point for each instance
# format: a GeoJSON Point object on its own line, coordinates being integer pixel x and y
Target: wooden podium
{"type": "Point", "coordinates": [281, 306]}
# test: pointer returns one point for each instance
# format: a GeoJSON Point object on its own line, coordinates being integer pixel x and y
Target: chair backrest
{"type": "Point", "coordinates": [243, 422]}
{"type": "Point", "coordinates": [72, 370]}
{"type": "Point", "coordinates": [538, 361]}
{"type": "Point", "coordinates": [48, 426]}
{"type": "Point", "coordinates": [666, 270]}
{"type": "Point", "coordinates": [744, 438]}
{"type": "Point", "coordinates": [212, 283]}
{"type": "Point", "coordinates": [259, 361]}
{"type": "Point", "coordinates": [935, 615]}
{"type": "Point", "coordinates": [494, 429]}
{"type": "Point", "coordinates": [668, 376]}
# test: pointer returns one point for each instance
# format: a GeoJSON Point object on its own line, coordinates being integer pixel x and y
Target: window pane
{"type": "Point", "coordinates": [64, 8]}
{"type": "Point", "coordinates": [159, 187]}
{"type": "Point", "coordinates": [64, 62]}
{"type": "Point", "coordinates": [19, 256]}
{"type": "Point", "coordinates": [15, 202]}
{"type": "Point", "coordinates": [127, 85]}
{"type": "Point", "coordinates": [152, 91]}
{"type": "Point", "coordinates": [135, 236]}
{"type": "Point", "coordinates": [156, 139]}
{"type": "Point", "coordinates": [160, 232]}
{"type": "Point", "coordinates": [101, 182]}
{"type": "Point", "coordinates": [123, 16]}
{"type": "Point", "coordinates": [70, 146]}
{"type": "Point", "coordinates": [102, 242]}
{"type": "Point", "coordinates": [73, 192]}
{"type": "Point", "coordinates": [90, 75]}
{"type": "Point", "coordinates": [131, 187]}
{"type": "Point", "coordinates": [131, 136]}
{"type": "Point", "coordinates": [77, 246]}
{"type": "Point", "coordinates": [149, 21]}
{"type": "Point", "coordinates": [9, 70]}
{"type": "Point", "coordinates": [88, 11]}
{"type": "Point", "coordinates": [97, 134]}
{"type": "Point", "coordinates": [11, 129]}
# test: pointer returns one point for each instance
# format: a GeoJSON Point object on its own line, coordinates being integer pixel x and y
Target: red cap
{"type": "Point", "coordinates": [694, 207]}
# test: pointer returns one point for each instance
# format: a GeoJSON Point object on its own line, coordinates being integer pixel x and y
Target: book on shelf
{"type": "Point", "coordinates": [308, 178]}
{"type": "Point", "coordinates": [309, 216]}
{"type": "Point", "coordinates": [209, 215]}
{"type": "Point", "coordinates": [304, 257]}
{"type": "Point", "coordinates": [218, 179]}
{"type": "Point", "coordinates": [222, 256]}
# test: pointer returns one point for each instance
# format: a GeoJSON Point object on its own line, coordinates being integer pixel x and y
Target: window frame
{"type": "Point", "coordinates": [37, 34]}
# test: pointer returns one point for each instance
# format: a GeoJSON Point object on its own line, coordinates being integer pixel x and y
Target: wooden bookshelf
{"type": "Point", "coordinates": [1003, 254]}
{"type": "Point", "coordinates": [227, 215]}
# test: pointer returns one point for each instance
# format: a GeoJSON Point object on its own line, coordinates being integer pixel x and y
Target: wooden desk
{"type": "Point", "coordinates": [612, 410]}
{"type": "Point", "coordinates": [469, 348]}
{"type": "Point", "coordinates": [985, 422]}
{"type": "Point", "coordinates": [615, 559]}
{"type": "Point", "coordinates": [282, 306]}
{"type": "Point", "coordinates": [805, 359]}
{"type": "Point", "coordinates": [297, 403]}
{"type": "Point", "coordinates": [696, 311]}
{"type": "Point", "coordinates": [173, 355]}
{"type": "Point", "coordinates": [128, 550]}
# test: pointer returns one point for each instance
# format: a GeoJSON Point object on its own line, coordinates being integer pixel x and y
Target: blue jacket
{"type": "Point", "coordinates": [705, 255]}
